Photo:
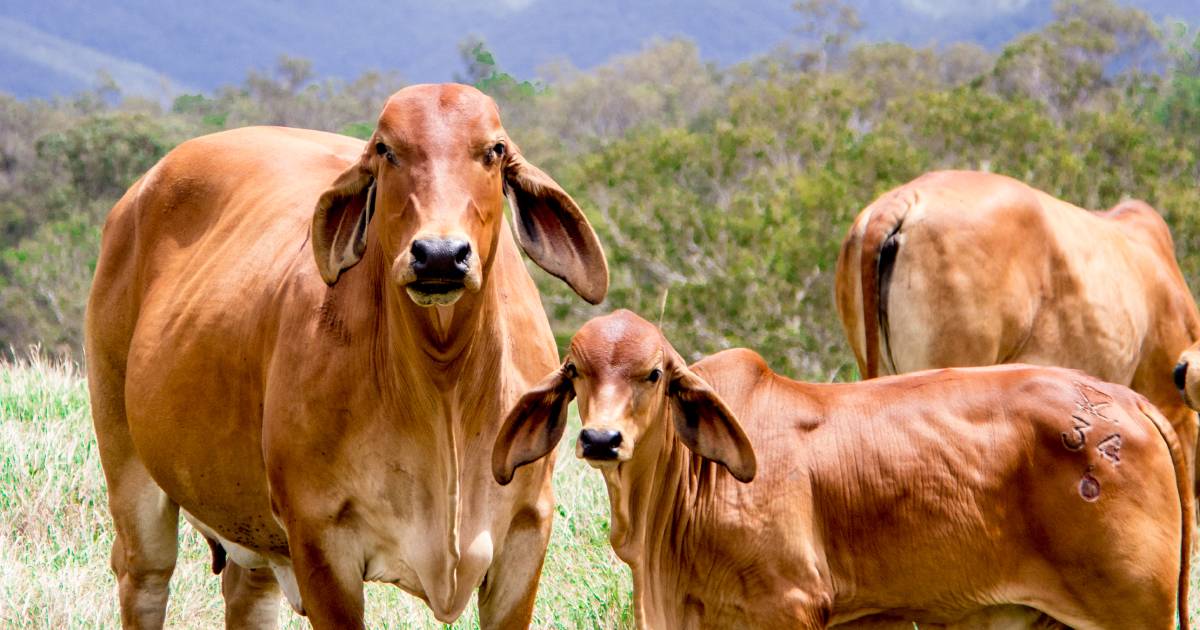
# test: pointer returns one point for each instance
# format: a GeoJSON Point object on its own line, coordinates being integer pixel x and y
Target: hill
{"type": "Point", "coordinates": [158, 48]}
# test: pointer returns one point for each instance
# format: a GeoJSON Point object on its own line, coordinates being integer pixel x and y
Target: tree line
{"type": "Point", "coordinates": [721, 194]}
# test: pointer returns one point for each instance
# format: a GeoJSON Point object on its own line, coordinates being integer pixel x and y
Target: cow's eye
{"type": "Point", "coordinates": [494, 153]}
{"type": "Point", "coordinates": [386, 151]}
{"type": "Point", "coordinates": [570, 371]}
{"type": "Point", "coordinates": [654, 375]}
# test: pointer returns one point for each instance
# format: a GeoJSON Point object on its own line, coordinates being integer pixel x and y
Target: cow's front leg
{"type": "Point", "coordinates": [508, 592]}
{"type": "Point", "coordinates": [329, 573]}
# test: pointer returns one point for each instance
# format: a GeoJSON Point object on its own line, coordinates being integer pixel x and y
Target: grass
{"type": "Point", "coordinates": [55, 532]}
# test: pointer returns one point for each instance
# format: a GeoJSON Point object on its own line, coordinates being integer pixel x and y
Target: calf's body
{"type": "Point", "coordinates": [954, 498]}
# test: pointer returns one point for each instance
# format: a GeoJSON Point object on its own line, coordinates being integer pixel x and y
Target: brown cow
{"type": "Point", "coordinates": [961, 268]}
{"type": "Point", "coordinates": [327, 431]}
{"type": "Point", "coordinates": [955, 498]}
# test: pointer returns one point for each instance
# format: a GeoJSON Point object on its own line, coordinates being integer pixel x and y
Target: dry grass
{"type": "Point", "coordinates": [55, 532]}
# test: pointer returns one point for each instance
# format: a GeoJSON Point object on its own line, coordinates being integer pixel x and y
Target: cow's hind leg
{"type": "Point", "coordinates": [507, 596]}
{"type": "Point", "coordinates": [251, 597]}
{"type": "Point", "coordinates": [145, 547]}
{"type": "Point", "coordinates": [146, 521]}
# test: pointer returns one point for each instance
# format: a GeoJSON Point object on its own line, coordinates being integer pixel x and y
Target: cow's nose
{"type": "Point", "coordinates": [600, 443]}
{"type": "Point", "coordinates": [1180, 375]}
{"type": "Point", "coordinates": [444, 259]}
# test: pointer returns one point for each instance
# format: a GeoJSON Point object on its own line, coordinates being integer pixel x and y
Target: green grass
{"type": "Point", "coordinates": [55, 532]}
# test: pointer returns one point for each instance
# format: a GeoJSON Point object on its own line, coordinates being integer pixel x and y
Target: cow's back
{"type": "Point", "coordinates": [196, 262]}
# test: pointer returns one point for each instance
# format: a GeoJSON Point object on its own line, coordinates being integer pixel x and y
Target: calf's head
{"type": "Point", "coordinates": [634, 392]}
{"type": "Point", "coordinates": [431, 184]}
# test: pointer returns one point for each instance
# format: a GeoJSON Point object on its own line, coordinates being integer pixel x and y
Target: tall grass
{"type": "Point", "coordinates": [55, 531]}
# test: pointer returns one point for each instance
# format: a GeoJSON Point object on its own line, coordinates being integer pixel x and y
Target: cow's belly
{"type": "Point", "coordinates": [280, 565]}
{"type": "Point", "coordinates": [192, 404]}
{"type": "Point", "coordinates": [1100, 330]}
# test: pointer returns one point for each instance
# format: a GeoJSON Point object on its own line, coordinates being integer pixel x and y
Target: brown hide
{"type": "Point", "coordinates": [954, 498]}
{"type": "Point", "coordinates": [962, 268]}
{"type": "Point", "coordinates": [330, 423]}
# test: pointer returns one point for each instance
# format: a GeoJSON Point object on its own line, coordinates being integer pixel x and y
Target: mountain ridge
{"type": "Point", "coordinates": [160, 48]}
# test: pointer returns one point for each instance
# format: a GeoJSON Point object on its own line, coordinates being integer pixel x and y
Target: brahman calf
{"type": "Point", "coordinates": [962, 268]}
{"type": "Point", "coordinates": [961, 498]}
{"type": "Point", "coordinates": [307, 343]}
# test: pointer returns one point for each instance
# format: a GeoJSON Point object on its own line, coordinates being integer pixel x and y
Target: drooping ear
{"type": "Point", "coordinates": [553, 231]}
{"type": "Point", "coordinates": [706, 425]}
{"type": "Point", "coordinates": [339, 225]}
{"type": "Point", "coordinates": [534, 426]}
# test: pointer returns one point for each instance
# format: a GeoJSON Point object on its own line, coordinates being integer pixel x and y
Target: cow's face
{"type": "Point", "coordinates": [431, 183]}
{"type": "Point", "coordinates": [635, 392]}
{"type": "Point", "coordinates": [1187, 376]}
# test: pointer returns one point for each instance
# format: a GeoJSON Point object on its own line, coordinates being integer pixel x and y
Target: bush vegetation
{"type": "Point", "coordinates": [721, 194]}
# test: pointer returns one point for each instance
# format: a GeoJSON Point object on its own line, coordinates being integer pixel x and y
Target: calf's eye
{"type": "Point", "coordinates": [386, 151]}
{"type": "Point", "coordinates": [654, 375]}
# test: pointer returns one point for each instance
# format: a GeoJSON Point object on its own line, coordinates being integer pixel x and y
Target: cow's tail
{"type": "Point", "coordinates": [1186, 502]}
{"type": "Point", "coordinates": [880, 245]}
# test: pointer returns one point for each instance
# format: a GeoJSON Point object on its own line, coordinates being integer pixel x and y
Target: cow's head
{"type": "Point", "coordinates": [630, 383]}
{"type": "Point", "coordinates": [431, 183]}
{"type": "Point", "coordinates": [1187, 376]}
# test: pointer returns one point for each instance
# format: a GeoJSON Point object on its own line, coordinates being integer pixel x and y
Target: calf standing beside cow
{"type": "Point", "coordinates": [325, 424]}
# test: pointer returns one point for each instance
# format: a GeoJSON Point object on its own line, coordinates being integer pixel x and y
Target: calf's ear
{"type": "Point", "coordinates": [706, 425]}
{"type": "Point", "coordinates": [553, 230]}
{"type": "Point", "coordinates": [534, 426]}
{"type": "Point", "coordinates": [339, 225]}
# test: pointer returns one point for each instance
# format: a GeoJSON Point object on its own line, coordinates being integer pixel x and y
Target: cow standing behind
{"type": "Point", "coordinates": [954, 498]}
{"type": "Point", "coordinates": [329, 423]}
{"type": "Point", "coordinates": [962, 268]}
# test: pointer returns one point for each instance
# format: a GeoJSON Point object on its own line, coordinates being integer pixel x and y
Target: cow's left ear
{"type": "Point", "coordinates": [706, 425]}
{"type": "Point", "coordinates": [339, 225]}
{"type": "Point", "coordinates": [534, 426]}
{"type": "Point", "coordinates": [553, 231]}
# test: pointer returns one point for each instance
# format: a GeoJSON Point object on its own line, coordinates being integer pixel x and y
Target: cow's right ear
{"type": "Point", "coordinates": [339, 225]}
{"type": "Point", "coordinates": [706, 425]}
{"type": "Point", "coordinates": [534, 426]}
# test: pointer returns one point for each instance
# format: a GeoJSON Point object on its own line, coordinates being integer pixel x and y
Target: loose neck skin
{"type": "Point", "coordinates": [440, 378]}
{"type": "Point", "coordinates": [657, 517]}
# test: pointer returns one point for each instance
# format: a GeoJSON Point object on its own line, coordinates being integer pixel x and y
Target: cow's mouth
{"type": "Point", "coordinates": [599, 453]}
{"type": "Point", "coordinates": [435, 292]}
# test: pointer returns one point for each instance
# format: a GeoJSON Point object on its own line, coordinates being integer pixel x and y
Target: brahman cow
{"type": "Point", "coordinates": [962, 268]}
{"type": "Point", "coordinates": [955, 498]}
{"type": "Point", "coordinates": [329, 423]}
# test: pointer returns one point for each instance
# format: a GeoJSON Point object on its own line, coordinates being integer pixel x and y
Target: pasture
{"type": "Point", "coordinates": [55, 531]}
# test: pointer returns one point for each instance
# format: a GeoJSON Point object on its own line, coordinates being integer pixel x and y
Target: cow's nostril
{"type": "Point", "coordinates": [462, 253]}
{"type": "Point", "coordinates": [420, 251]}
{"type": "Point", "coordinates": [1181, 374]}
